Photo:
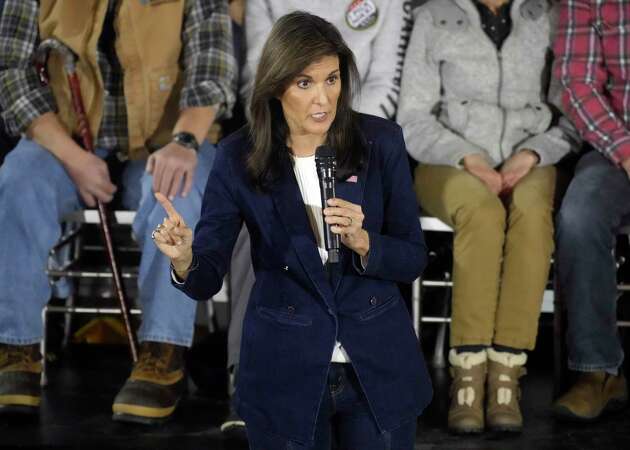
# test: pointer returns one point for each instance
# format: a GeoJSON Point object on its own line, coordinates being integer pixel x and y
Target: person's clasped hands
{"type": "Point", "coordinates": [503, 180]}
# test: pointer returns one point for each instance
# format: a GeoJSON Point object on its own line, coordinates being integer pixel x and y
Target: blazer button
{"type": "Point", "coordinates": [373, 301]}
{"type": "Point", "coordinates": [285, 268]}
{"type": "Point", "coordinates": [291, 309]}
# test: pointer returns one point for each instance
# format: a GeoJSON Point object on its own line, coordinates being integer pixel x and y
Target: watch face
{"type": "Point", "coordinates": [187, 140]}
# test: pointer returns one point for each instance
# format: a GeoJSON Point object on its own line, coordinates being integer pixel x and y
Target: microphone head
{"type": "Point", "coordinates": [325, 161]}
{"type": "Point", "coordinates": [324, 151]}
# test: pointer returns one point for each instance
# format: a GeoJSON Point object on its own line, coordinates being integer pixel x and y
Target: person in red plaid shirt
{"type": "Point", "coordinates": [593, 64]}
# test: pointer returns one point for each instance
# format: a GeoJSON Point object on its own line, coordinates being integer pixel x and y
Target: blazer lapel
{"type": "Point", "coordinates": [290, 206]}
{"type": "Point", "coordinates": [351, 190]}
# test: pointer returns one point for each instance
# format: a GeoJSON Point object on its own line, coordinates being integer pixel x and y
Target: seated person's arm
{"type": "Point", "coordinates": [581, 68]}
{"type": "Point", "coordinates": [89, 172]}
{"type": "Point", "coordinates": [379, 90]}
{"type": "Point", "coordinates": [210, 71]}
{"type": "Point", "coordinates": [258, 24]}
{"type": "Point", "coordinates": [428, 140]}
{"type": "Point", "coordinates": [29, 107]}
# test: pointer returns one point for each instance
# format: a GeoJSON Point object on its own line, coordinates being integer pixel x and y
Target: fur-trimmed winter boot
{"type": "Point", "coordinates": [468, 371]}
{"type": "Point", "coordinates": [503, 412]}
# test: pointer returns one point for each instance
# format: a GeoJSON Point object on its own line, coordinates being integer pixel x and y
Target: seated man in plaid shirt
{"type": "Point", "coordinates": [593, 54]}
{"type": "Point", "coordinates": [154, 75]}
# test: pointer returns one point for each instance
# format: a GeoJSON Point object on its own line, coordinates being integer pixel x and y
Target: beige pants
{"type": "Point", "coordinates": [501, 252]}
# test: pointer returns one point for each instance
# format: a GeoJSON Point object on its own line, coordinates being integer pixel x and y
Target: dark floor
{"type": "Point", "coordinates": [83, 381]}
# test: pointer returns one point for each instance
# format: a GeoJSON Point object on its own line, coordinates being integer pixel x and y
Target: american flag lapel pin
{"type": "Point", "coordinates": [352, 179]}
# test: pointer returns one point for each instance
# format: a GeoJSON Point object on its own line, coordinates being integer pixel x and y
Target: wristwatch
{"type": "Point", "coordinates": [187, 140]}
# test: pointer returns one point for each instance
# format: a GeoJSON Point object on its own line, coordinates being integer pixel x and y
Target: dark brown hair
{"type": "Point", "coordinates": [296, 41]}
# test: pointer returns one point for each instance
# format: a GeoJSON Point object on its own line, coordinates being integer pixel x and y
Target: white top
{"type": "Point", "coordinates": [306, 176]}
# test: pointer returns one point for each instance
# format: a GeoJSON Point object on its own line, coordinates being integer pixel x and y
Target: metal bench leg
{"type": "Point", "coordinates": [439, 360]}
{"type": "Point", "coordinates": [70, 301]}
{"type": "Point", "coordinates": [416, 305]}
{"type": "Point", "coordinates": [68, 321]}
{"type": "Point", "coordinates": [42, 347]}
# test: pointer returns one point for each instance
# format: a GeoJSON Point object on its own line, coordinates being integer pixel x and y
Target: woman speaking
{"type": "Point", "coordinates": [328, 351]}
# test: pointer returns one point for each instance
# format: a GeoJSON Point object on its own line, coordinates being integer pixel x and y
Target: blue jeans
{"type": "Point", "coordinates": [595, 206]}
{"type": "Point", "coordinates": [35, 194]}
{"type": "Point", "coordinates": [344, 420]}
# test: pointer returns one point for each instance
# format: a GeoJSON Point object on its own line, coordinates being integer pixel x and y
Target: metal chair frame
{"type": "Point", "coordinates": [68, 249]}
{"type": "Point", "coordinates": [432, 224]}
{"type": "Point", "coordinates": [551, 304]}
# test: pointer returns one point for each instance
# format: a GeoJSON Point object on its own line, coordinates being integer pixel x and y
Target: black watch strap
{"type": "Point", "coordinates": [187, 140]}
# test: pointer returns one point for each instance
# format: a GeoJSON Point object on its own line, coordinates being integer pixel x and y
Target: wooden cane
{"type": "Point", "coordinates": [70, 59]}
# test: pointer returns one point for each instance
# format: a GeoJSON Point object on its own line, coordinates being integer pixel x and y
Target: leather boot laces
{"type": "Point", "coordinates": [15, 354]}
{"type": "Point", "coordinates": [153, 360]}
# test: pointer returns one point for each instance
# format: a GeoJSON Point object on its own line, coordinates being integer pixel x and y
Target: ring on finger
{"type": "Point", "coordinates": [156, 230]}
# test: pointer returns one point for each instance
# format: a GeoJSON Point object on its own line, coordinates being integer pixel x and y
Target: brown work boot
{"type": "Point", "coordinates": [468, 371]}
{"type": "Point", "coordinates": [503, 412]}
{"type": "Point", "coordinates": [20, 374]}
{"type": "Point", "coordinates": [592, 394]}
{"type": "Point", "coordinates": [155, 386]}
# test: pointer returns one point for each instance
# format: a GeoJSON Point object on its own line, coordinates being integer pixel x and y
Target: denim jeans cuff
{"type": "Point", "coordinates": [602, 367]}
{"type": "Point", "coordinates": [165, 339]}
{"type": "Point", "coordinates": [12, 340]}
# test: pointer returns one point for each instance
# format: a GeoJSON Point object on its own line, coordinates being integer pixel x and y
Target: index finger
{"type": "Point", "coordinates": [169, 208]}
{"type": "Point", "coordinates": [339, 202]}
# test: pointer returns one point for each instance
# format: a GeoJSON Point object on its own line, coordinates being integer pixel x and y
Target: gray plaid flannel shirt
{"type": "Point", "coordinates": [207, 60]}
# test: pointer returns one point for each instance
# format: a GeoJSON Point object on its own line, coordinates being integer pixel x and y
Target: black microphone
{"type": "Point", "coordinates": [326, 170]}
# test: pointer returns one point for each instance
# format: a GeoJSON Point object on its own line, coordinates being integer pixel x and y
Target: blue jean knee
{"type": "Point", "coordinates": [35, 193]}
{"type": "Point", "coordinates": [594, 208]}
{"type": "Point", "coordinates": [168, 314]}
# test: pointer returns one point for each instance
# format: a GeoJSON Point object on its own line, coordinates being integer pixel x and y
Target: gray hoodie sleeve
{"type": "Point", "coordinates": [381, 84]}
{"type": "Point", "coordinates": [552, 145]}
{"type": "Point", "coordinates": [562, 137]}
{"type": "Point", "coordinates": [428, 140]}
{"type": "Point", "coordinates": [258, 24]}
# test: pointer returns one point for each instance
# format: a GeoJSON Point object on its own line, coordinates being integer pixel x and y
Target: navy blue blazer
{"type": "Point", "coordinates": [296, 313]}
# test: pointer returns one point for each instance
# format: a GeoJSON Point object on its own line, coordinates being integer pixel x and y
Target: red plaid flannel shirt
{"type": "Point", "coordinates": [593, 63]}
